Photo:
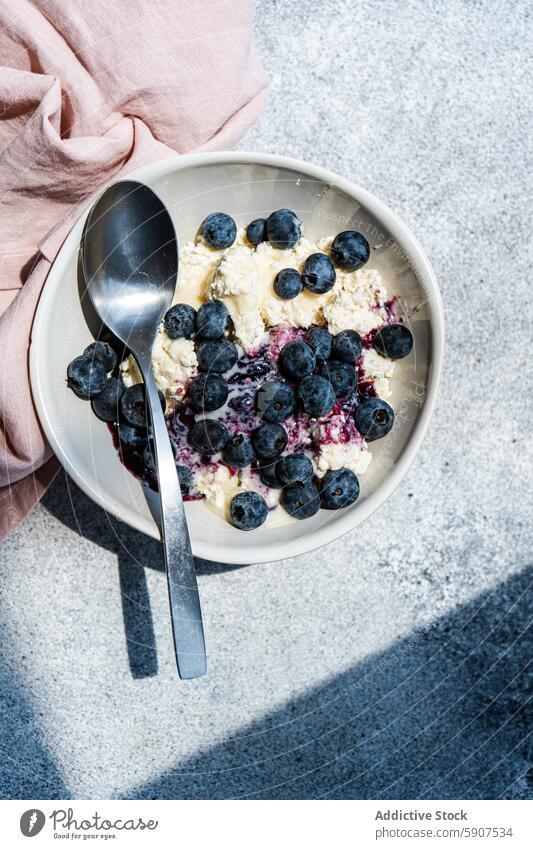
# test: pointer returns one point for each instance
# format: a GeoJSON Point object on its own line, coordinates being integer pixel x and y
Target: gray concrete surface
{"type": "Point", "coordinates": [394, 663]}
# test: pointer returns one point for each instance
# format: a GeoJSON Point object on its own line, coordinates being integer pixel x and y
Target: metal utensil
{"type": "Point", "coordinates": [130, 263]}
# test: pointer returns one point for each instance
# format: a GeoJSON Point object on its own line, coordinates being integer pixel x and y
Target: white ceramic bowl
{"type": "Point", "coordinates": [246, 185]}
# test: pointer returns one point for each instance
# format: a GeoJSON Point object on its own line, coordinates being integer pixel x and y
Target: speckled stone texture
{"type": "Point", "coordinates": [392, 664]}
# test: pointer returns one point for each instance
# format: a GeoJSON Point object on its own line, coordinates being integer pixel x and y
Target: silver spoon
{"type": "Point", "coordinates": [130, 264]}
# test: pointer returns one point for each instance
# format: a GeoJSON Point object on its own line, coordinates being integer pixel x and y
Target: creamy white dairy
{"type": "Point", "coordinates": [356, 301]}
{"type": "Point", "coordinates": [197, 265]}
{"type": "Point", "coordinates": [244, 280]}
{"type": "Point", "coordinates": [333, 451]}
{"type": "Point", "coordinates": [218, 485]}
{"type": "Point", "coordinates": [174, 362]}
{"type": "Point", "coordinates": [339, 455]}
{"type": "Point", "coordinates": [380, 370]}
{"type": "Point", "coordinates": [236, 283]}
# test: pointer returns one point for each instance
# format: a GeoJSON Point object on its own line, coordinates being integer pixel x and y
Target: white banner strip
{"type": "Point", "coordinates": [264, 824]}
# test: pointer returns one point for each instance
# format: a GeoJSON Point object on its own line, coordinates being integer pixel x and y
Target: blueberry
{"type": "Point", "coordinates": [256, 231]}
{"type": "Point", "coordinates": [250, 372]}
{"type": "Point", "coordinates": [248, 510]}
{"type": "Point", "coordinates": [180, 321]}
{"type": "Point", "coordinates": [275, 401]}
{"type": "Point", "coordinates": [317, 395]}
{"type": "Point", "coordinates": [131, 436]}
{"type": "Point", "coordinates": [133, 406]}
{"type": "Point", "coordinates": [347, 346]}
{"type": "Point", "coordinates": [212, 320]}
{"type": "Point", "coordinates": [242, 403]}
{"type": "Point", "coordinates": [185, 478]}
{"type": "Point", "coordinates": [106, 404]}
{"type": "Point", "coordinates": [283, 228]}
{"type": "Point", "coordinates": [320, 340]}
{"type": "Point", "coordinates": [208, 436]}
{"type": "Point", "coordinates": [103, 352]}
{"type": "Point", "coordinates": [219, 230]}
{"type": "Point", "coordinates": [216, 355]}
{"type": "Point", "coordinates": [238, 451]}
{"type": "Point", "coordinates": [350, 250]}
{"type": "Point", "coordinates": [86, 376]}
{"type": "Point", "coordinates": [293, 468]}
{"type": "Point", "coordinates": [269, 440]}
{"type": "Point", "coordinates": [301, 500]}
{"type": "Point", "coordinates": [339, 488]}
{"type": "Point", "coordinates": [318, 275]}
{"type": "Point", "coordinates": [297, 359]}
{"type": "Point", "coordinates": [185, 475]}
{"type": "Point", "coordinates": [208, 392]}
{"type": "Point", "coordinates": [373, 418]}
{"type": "Point", "coordinates": [288, 283]}
{"type": "Point", "coordinates": [342, 376]}
{"type": "Point", "coordinates": [267, 473]}
{"type": "Point", "coordinates": [394, 341]}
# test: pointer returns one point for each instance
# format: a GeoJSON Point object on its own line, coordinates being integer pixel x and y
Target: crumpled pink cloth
{"type": "Point", "coordinates": [88, 92]}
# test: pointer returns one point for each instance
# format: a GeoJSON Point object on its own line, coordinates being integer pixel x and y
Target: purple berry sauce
{"type": "Point", "coordinates": [239, 413]}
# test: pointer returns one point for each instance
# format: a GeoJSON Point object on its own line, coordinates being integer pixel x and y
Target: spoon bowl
{"type": "Point", "coordinates": [130, 261]}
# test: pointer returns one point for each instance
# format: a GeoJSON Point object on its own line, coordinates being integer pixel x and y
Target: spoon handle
{"type": "Point", "coordinates": [185, 611]}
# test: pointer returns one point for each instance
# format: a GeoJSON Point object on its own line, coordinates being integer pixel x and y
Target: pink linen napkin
{"type": "Point", "coordinates": [88, 92]}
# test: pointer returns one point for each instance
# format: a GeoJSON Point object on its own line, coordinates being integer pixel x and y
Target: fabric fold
{"type": "Point", "coordinates": [88, 94]}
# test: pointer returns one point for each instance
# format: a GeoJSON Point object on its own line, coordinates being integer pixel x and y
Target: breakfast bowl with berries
{"type": "Point", "coordinates": [297, 366]}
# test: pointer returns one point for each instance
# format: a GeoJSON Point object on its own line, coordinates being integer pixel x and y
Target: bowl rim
{"type": "Point", "coordinates": [345, 521]}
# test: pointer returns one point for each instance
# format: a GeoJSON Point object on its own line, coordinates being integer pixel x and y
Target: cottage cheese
{"type": "Point", "coordinates": [174, 362]}
{"type": "Point", "coordinates": [245, 277]}
{"type": "Point", "coordinates": [236, 283]}
{"type": "Point", "coordinates": [197, 265]}
{"type": "Point", "coordinates": [218, 486]}
{"type": "Point", "coordinates": [244, 280]}
{"type": "Point", "coordinates": [379, 370]}
{"type": "Point", "coordinates": [339, 445]}
{"type": "Point", "coordinates": [242, 276]}
{"type": "Point", "coordinates": [356, 302]}
{"type": "Point", "coordinates": [333, 455]}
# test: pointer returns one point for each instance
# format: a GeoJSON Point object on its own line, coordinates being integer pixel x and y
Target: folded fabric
{"type": "Point", "coordinates": [88, 92]}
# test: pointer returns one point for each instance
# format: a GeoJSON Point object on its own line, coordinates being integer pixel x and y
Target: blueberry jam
{"type": "Point", "coordinates": [392, 308]}
{"type": "Point", "coordinates": [365, 387]}
{"type": "Point", "coordinates": [131, 458]}
{"type": "Point", "coordinates": [239, 415]}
